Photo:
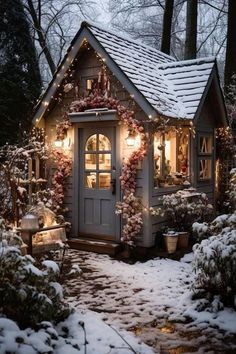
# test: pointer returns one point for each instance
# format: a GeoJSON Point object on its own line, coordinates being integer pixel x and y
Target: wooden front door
{"type": "Point", "coordinates": [97, 181]}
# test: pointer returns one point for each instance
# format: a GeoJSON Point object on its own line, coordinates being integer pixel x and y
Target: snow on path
{"type": "Point", "coordinates": [153, 300]}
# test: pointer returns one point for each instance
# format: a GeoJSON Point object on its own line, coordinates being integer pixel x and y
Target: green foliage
{"type": "Point", "coordinates": [19, 73]}
{"type": "Point", "coordinates": [29, 295]}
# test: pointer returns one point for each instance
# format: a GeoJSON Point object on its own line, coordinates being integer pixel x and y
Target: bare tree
{"type": "Point", "coordinates": [36, 19]}
{"type": "Point", "coordinates": [53, 25]}
{"type": "Point", "coordinates": [191, 30]}
{"type": "Point", "coordinates": [142, 19]}
{"type": "Point", "coordinates": [230, 59]}
{"type": "Point", "coordinates": [167, 23]}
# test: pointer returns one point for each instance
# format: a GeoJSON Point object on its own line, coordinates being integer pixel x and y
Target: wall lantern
{"type": "Point", "coordinates": [58, 143]}
{"type": "Point", "coordinates": [130, 140]}
{"type": "Point", "coordinates": [64, 143]}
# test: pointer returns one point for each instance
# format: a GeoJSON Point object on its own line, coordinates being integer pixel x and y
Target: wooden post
{"type": "Point", "coordinates": [30, 180]}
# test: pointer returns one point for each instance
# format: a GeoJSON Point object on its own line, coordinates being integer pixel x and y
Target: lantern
{"type": "Point", "coordinates": [130, 140]}
{"type": "Point", "coordinates": [29, 222]}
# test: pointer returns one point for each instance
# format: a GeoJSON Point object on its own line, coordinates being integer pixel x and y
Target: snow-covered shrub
{"type": "Point", "coordinates": [29, 295]}
{"type": "Point", "coordinates": [221, 222]}
{"type": "Point", "coordinates": [232, 189]}
{"type": "Point", "coordinates": [14, 174]}
{"type": "Point", "coordinates": [185, 207]}
{"type": "Point", "coordinates": [215, 266]}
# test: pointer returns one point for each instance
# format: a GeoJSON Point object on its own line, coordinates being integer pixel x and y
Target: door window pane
{"type": "Point", "coordinates": [91, 143]}
{"type": "Point", "coordinates": [104, 180]}
{"type": "Point", "coordinates": [104, 143]}
{"type": "Point", "coordinates": [90, 180]}
{"type": "Point", "coordinates": [104, 161]}
{"type": "Point", "coordinates": [90, 161]}
{"type": "Point", "coordinates": [205, 169]}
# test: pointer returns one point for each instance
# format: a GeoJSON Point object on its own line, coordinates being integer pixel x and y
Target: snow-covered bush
{"type": "Point", "coordinates": [185, 207]}
{"type": "Point", "coordinates": [232, 189]}
{"type": "Point", "coordinates": [204, 230]}
{"type": "Point", "coordinates": [15, 178]}
{"type": "Point", "coordinates": [215, 266]}
{"type": "Point", "coordinates": [29, 295]}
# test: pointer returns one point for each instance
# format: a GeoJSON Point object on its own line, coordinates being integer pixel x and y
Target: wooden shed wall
{"type": "Point", "coordinates": [206, 124]}
{"type": "Point", "coordinates": [88, 67]}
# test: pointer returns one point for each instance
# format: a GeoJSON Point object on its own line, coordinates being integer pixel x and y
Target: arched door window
{"type": "Point", "coordinates": [97, 162]}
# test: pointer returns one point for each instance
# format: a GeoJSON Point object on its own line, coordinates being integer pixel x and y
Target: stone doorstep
{"type": "Point", "coordinates": [97, 246]}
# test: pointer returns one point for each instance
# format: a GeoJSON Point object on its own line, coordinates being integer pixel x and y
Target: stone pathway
{"type": "Point", "coordinates": [129, 306]}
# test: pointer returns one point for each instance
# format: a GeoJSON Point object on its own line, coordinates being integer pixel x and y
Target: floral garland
{"type": "Point", "coordinates": [64, 165]}
{"type": "Point", "coordinates": [130, 207]}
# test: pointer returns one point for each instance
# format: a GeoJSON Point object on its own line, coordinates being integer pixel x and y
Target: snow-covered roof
{"type": "Point", "coordinates": [173, 88]}
{"type": "Point", "coordinates": [188, 79]}
{"type": "Point", "coordinates": [162, 84]}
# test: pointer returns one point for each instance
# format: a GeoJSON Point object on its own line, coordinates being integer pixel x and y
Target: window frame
{"type": "Point", "coordinates": [162, 157]}
{"type": "Point", "coordinates": [205, 156]}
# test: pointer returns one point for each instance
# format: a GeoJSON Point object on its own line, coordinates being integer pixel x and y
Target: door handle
{"type": "Point", "coordinates": [113, 186]}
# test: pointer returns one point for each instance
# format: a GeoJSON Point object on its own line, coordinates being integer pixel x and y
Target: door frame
{"type": "Point", "coordinates": [77, 176]}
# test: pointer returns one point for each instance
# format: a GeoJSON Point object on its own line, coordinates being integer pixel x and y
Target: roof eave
{"type": "Point", "coordinates": [214, 76]}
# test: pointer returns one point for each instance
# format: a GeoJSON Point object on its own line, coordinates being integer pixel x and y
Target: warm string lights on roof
{"type": "Point", "coordinates": [66, 82]}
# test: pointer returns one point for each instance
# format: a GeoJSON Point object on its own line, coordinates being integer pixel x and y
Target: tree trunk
{"type": "Point", "coordinates": [41, 36]}
{"type": "Point", "coordinates": [230, 60]}
{"type": "Point", "coordinates": [191, 30]}
{"type": "Point", "coordinates": [166, 29]}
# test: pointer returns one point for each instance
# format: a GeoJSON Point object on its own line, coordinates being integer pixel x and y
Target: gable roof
{"type": "Point", "coordinates": [159, 82]}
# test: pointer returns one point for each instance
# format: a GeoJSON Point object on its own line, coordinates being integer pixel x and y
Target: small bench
{"type": "Point", "coordinates": [28, 234]}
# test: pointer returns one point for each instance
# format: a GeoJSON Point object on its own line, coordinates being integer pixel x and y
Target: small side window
{"type": "Point", "coordinates": [91, 84]}
{"type": "Point", "coordinates": [205, 150]}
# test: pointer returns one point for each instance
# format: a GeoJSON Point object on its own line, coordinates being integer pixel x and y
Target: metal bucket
{"type": "Point", "coordinates": [171, 242]}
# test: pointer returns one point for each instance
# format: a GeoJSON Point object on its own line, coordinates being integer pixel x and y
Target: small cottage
{"type": "Point", "coordinates": [140, 125]}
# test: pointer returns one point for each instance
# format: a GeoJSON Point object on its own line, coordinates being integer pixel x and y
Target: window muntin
{"type": "Point", "coordinates": [205, 144]}
{"type": "Point", "coordinates": [171, 155]}
{"type": "Point", "coordinates": [204, 169]}
{"type": "Point", "coordinates": [205, 151]}
{"type": "Point", "coordinates": [97, 163]}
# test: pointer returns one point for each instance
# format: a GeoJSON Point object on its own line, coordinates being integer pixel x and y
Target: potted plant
{"type": "Point", "coordinates": [182, 209]}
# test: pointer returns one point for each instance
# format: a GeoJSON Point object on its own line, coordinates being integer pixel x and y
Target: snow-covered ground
{"type": "Point", "coordinates": [152, 299]}
{"type": "Point", "coordinates": [100, 338]}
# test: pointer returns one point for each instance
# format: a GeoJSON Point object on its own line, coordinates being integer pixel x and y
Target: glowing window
{"type": "Point", "coordinates": [97, 162]}
{"type": "Point", "coordinates": [171, 150]}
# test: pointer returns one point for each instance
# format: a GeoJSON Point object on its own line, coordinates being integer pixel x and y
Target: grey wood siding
{"type": "Point", "coordinates": [206, 124]}
{"type": "Point", "coordinates": [88, 67]}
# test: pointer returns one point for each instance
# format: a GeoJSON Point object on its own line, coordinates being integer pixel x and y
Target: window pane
{"type": "Point", "coordinates": [205, 144]}
{"type": "Point", "coordinates": [90, 161]}
{"type": "Point", "coordinates": [158, 148]}
{"type": "Point", "coordinates": [91, 143]}
{"type": "Point", "coordinates": [171, 157]}
{"type": "Point", "coordinates": [183, 152]}
{"type": "Point", "coordinates": [104, 161]}
{"type": "Point", "coordinates": [170, 153]}
{"type": "Point", "coordinates": [90, 180]}
{"type": "Point", "coordinates": [104, 143]}
{"type": "Point", "coordinates": [205, 169]}
{"type": "Point", "coordinates": [104, 180]}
